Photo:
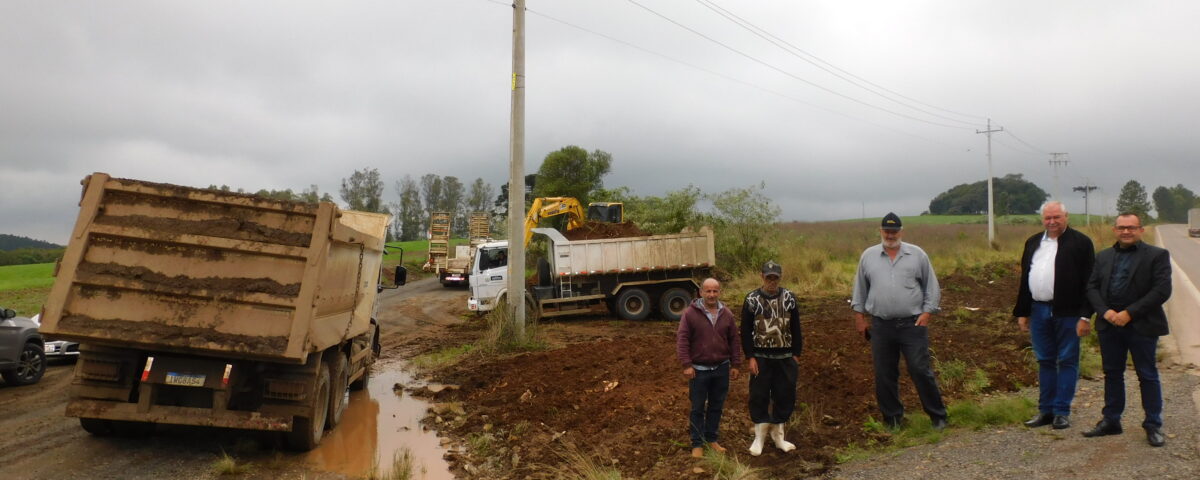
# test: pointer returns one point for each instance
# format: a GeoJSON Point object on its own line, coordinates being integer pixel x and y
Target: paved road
{"type": "Point", "coordinates": [1183, 310]}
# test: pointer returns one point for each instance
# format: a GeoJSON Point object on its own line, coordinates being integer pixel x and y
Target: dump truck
{"type": "Point", "coordinates": [631, 277]}
{"type": "Point", "coordinates": [212, 308]}
{"type": "Point", "coordinates": [457, 268]}
{"type": "Point", "coordinates": [1194, 222]}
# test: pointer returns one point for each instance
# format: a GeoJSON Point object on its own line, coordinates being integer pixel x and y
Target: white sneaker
{"type": "Point", "coordinates": [777, 436]}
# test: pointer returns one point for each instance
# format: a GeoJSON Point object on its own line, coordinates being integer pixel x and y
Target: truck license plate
{"type": "Point", "coordinates": [185, 379]}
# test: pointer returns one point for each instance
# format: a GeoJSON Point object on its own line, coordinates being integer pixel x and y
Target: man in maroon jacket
{"type": "Point", "coordinates": [710, 351]}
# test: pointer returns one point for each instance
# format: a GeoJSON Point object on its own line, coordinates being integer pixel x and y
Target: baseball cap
{"type": "Point", "coordinates": [891, 221]}
{"type": "Point", "coordinates": [772, 268]}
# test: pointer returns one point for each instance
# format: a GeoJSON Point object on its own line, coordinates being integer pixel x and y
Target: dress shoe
{"type": "Point", "coordinates": [939, 424]}
{"type": "Point", "coordinates": [1040, 420]}
{"type": "Point", "coordinates": [1104, 427]}
{"type": "Point", "coordinates": [1061, 422]}
{"type": "Point", "coordinates": [1155, 436]}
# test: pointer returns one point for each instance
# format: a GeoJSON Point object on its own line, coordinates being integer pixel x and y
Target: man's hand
{"type": "Point", "coordinates": [1109, 314]}
{"type": "Point", "coordinates": [753, 365]}
{"type": "Point", "coordinates": [1121, 319]}
{"type": "Point", "coordinates": [860, 323]}
{"type": "Point", "coordinates": [689, 372]}
{"type": "Point", "coordinates": [923, 319]}
{"type": "Point", "coordinates": [1083, 328]}
{"type": "Point", "coordinates": [734, 374]}
{"type": "Point", "coordinates": [1023, 322]}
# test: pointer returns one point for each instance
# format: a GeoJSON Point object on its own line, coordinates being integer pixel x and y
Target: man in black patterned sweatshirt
{"type": "Point", "coordinates": [771, 341]}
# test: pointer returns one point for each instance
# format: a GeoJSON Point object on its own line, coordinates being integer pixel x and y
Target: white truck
{"type": "Point", "coordinates": [631, 277]}
{"type": "Point", "coordinates": [1194, 222]}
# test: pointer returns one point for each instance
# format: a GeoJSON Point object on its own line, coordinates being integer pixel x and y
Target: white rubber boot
{"type": "Point", "coordinates": [777, 436]}
{"type": "Point", "coordinates": [760, 436]}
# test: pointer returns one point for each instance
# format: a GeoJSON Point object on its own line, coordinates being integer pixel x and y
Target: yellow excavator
{"type": "Point", "coordinates": [542, 207]}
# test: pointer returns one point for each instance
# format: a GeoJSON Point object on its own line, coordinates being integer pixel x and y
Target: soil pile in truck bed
{"type": "Point", "coordinates": [595, 230]}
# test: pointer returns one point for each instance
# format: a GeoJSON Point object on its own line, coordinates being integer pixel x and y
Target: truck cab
{"type": "Point", "coordinates": [488, 276]}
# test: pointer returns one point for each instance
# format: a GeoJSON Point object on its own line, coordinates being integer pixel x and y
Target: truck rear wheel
{"type": "Point", "coordinates": [633, 304]}
{"type": "Point", "coordinates": [97, 426]}
{"type": "Point", "coordinates": [307, 432]}
{"type": "Point", "coordinates": [339, 389]}
{"type": "Point", "coordinates": [673, 303]}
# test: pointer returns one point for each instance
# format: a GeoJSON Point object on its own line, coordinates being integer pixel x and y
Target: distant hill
{"type": "Point", "coordinates": [13, 242]}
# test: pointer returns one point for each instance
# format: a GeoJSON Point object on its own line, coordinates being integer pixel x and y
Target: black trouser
{"type": "Point", "coordinates": [889, 339]}
{"type": "Point", "coordinates": [773, 390]}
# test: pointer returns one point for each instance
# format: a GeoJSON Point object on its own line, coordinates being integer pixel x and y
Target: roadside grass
{"type": "Point", "coordinates": [965, 414]}
{"type": "Point", "coordinates": [443, 357]}
{"type": "Point", "coordinates": [27, 302]}
{"type": "Point", "coordinates": [1027, 219]}
{"type": "Point", "coordinates": [227, 465]}
{"type": "Point", "coordinates": [20, 277]}
{"type": "Point", "coordinates": [501, 336]}
{"type": "Point", "coordinates": [404, 466]}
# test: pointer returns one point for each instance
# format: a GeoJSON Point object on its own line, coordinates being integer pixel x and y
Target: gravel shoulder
{"type": "Point", "coordinates": [1019, 452]}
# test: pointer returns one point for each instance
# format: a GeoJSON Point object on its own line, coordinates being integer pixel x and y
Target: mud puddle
{"type": "Point", "coordinates": [378, 425]}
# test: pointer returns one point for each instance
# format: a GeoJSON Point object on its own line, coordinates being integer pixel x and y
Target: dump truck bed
{"type": "Point", "coordinates": [631, 254]}
{"type": "Point", "coordinates": [208, 272]}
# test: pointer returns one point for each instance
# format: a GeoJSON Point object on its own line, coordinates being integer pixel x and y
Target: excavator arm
{"type": "Point", "coordinates": [543, 207]}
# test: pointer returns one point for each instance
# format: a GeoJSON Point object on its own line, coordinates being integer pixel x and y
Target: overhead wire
{"type": "Point", "coordinates": [831, 68]}
{"type": "Point", "coordinates": [789, 74]}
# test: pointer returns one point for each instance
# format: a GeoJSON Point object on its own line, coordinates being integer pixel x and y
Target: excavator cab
{"type": "Point", "coordinates": [607, 212]}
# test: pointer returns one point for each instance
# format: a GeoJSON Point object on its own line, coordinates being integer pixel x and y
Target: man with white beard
{"type": "Point", "coordinates": [896, 286]}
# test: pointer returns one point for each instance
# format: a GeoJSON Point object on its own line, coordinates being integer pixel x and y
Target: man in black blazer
{"type": "Point", "coordinates": [1052, 306]}
{"type": "Point", "coordinates": [1127, 289]}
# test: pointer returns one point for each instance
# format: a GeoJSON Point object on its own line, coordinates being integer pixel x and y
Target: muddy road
{"type": "Point", "coordinates": [37, 441]}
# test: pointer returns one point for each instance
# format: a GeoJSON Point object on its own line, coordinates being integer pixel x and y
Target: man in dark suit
{"type": "Point", "coordinates": [1128, 287]}
{"type": "Point", "coordinates": [1052, 306]}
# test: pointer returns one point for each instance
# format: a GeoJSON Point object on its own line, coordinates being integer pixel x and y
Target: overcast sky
{"type": "Point", "coordinates": [287, 94]}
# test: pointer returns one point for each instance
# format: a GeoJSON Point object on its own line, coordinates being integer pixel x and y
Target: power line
{"type": "Point", "coordinates": [1035, 149]}
{"type": "Point", "coordinates": [780, 70]}
{"type": "Point", "coordinates": [829, 67]}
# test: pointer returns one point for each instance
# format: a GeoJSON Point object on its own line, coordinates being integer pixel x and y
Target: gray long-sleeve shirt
{"type": "Point", "coordinates": [894, 289]}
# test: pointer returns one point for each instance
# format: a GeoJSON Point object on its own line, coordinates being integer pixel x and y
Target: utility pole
{"type": "Point", "coordinates": [991, 215]}
{"type": "Point", "coordinates": [1056, 162]}
{"type": "Point", "coordinates": [516, 177]}
{"type": "Point", "coordinates": [1086, 188]}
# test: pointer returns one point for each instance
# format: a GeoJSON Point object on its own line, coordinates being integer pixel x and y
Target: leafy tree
{"type": "Point", "coordinates": [1132, 199]}
{"type": "Point", "coordinates": [667, 214]}
{"type": "Point", "coordinates": [500, 211]}
{"type": "Point", "coordinates": [312, 195]}
{"type": "Point", "coordinates": [746, 230]}
{"type": "Point", "coordinates": [363, 191]}
{"type": "Point", "coordinates": [479, 196]}
{"type": "Point", "coordinates": [431, 196]}
{"type": "Point", "coordinates": [408, 209]}
{"type": "Point", "coordinates": [452, 201]}
{"type": "Point", "coordinates": [572, 172]}
{"type": "Point", "coordinates": [1019, 196]}
{"type": "Point", "coordinates": [1164, 204]}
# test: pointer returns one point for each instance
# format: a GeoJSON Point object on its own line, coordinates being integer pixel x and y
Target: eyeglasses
{"type": "Point", "coordinates": [1127, 228]}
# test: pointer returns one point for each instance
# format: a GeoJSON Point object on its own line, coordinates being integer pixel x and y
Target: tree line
{"type": "Point", "coordinates": [1171, 204]}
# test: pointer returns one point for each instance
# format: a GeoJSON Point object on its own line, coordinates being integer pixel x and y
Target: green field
{"type": "Point", "coordinates": [414, 249]}
{"type": "Point", "coordinates": [1077, 219]}
{"type": "Point", "coordinates": [17, 277]}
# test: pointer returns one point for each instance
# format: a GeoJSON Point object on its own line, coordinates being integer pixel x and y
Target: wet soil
{"type": "Point", "coordinates": [216, 286]}
{"type": "Point", "coordinates": [597, 230]}
{"type": "Point", "coordinates": [614, 390]}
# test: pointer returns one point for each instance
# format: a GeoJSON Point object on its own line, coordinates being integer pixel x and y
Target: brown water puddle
{"type": "Point", "coordinates": [378, 424]}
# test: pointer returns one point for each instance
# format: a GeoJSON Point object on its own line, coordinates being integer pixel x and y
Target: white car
{"type": "Point", "coordinates": [58, 348]}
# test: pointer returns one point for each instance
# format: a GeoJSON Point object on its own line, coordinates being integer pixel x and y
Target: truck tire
{"type": "Point", "coordinates": [339, 389]}
{"type": "Point", "coordinates": [307, 432]}
{"type": "Point", "coordinates": [673, 303]}
{"type": "Point", "coordinates": [633, 304]}
{"type": "Point", "coordinates": [30, 366]}
{"type": "Point", "coordinates": [97, 426]}
{"type": "Point", "coordinates": [543, 273]}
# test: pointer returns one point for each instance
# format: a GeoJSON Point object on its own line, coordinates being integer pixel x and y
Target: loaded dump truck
{"type": "Point", "coordinates": [631, 277]}
{"type": "Point", "coordinates": [211, 308]}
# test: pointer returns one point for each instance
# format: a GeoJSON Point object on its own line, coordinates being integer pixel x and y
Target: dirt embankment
{"type": "Point", "coordinates": [617, 393]}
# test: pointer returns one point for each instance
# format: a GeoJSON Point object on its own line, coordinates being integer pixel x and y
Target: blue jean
{"type": "Point", "coordinates": [707, 392]}
{"type": "Point", "coordinates": [1116, 344]}
{"type": "Point", "coordinates": [1056, 346]}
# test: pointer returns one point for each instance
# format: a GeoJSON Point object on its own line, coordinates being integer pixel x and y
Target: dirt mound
{"type": "Point", "coordinates": [622, 400]}
{"type": "Point", "coordinates": [594, 230]}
